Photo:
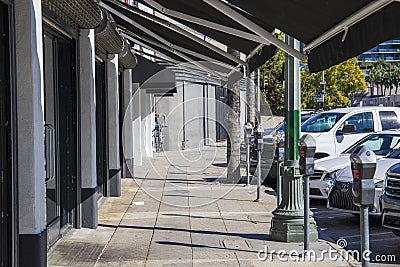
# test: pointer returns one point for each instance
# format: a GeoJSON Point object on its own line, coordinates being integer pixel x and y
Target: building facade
{"type": "Point", "coordinates": [388, 51]}
{"type": "Point", "coordinates": [65, 84]}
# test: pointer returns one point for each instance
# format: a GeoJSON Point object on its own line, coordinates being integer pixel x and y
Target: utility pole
{"type": "Point", "coordinates": [287, 222]}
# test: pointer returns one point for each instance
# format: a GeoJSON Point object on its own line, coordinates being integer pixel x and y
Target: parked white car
{"type": "Point", "coordinates": [338, 129]}
{"type": "Point", "coordinates": [326, 169]}
{"type": "Point", "coordinates": [341, 196]}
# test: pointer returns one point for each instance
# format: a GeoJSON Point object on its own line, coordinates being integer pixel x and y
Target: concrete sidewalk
{"type": "Point", "coordinates": [178, 212]}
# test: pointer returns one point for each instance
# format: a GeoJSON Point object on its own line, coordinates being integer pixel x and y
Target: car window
{"type": "Point", "coordinates": [321, 122]}
{"type": "Point", "coordinates": [394, 155]}
{"type": "Point", "coordinates": [363, 122]}
{"type": "Point", "coordinates": [389, 120]}
{"type": "Point", "coordinates": [381, 144]}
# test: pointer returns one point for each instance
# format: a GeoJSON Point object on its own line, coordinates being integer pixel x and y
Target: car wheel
{"type": "Point", "coordinates": [396, 232]}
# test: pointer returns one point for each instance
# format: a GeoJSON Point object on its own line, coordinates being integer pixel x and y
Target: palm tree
{"type": "Point", "coordinates": [396, 76]}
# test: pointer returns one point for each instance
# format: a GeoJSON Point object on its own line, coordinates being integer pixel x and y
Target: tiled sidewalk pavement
{"type": "Point", "coordinates": [177, 212]}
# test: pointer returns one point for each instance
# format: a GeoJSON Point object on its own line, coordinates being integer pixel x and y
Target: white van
{"type": "Point", "coordinates": [338, 129]}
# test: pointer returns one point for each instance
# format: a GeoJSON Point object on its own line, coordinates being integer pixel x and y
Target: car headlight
{"type": "Point", "coordinates": [379, 184]}
{"type": "Point", "coordinates": [330, 176]}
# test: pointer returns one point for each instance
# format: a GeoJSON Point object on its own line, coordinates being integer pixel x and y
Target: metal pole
{"type": "Point", "coordinates": [248, 162]}
{"type": "Point", "coordinates": [259, 178]}
{"type": "Point", "coordinates": [258, 89]}
{"type": "Point", "coordinates": [364, 229]}
{"type": "Point", "coordinates": [288, 219]}
{"type": "Point", "coordinates": [323, 95]}
{"type": "Point", "coordinates": [279, 184]}
{"type": "Point", "coordinates": [306, 213]}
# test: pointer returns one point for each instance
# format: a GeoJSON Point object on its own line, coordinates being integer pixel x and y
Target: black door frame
{"type": "Point", "coordinates": [102, 120]}
{"type": "Point", "coordinates": [8, 148]}
{"type": "Point", "coordinates": [76, 185]}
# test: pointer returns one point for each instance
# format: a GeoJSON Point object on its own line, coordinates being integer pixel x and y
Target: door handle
{"type": "Point", "coordinates": [49, 156]}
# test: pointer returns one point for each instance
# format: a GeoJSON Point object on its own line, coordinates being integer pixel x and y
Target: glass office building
{"type": "Point", "coordinates": [388, 51]}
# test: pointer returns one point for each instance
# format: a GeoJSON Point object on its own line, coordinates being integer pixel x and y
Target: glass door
{"type": "Point", "coordinates": [60, 134]}
{"type": "Point", "coordinates": [51, 129]}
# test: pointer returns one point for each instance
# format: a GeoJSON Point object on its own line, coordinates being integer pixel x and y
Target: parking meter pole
{"type": "Point", "coordinates": [258, 199]}
{"type": "Point", "coordinates": [259, 134]}
{"type": "Point", "coordinates": [279, 184]}
{"type": "Point", "coordinates": [248, 164]}
{"type": "Point", "coordinates": [279, 155]}
{"type": "Point", "coordinates": [364, 229]}
{"type": "Point", "coordinates": [306, 213]}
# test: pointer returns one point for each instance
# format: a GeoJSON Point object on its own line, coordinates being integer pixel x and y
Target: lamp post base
{"type": "Point", "coordinates": [287, 223]}
{"type": "Point", "coordinates": [291, 228]}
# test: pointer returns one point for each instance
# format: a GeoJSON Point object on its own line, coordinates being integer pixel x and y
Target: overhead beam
{"type": "Point", "coordinates": [206, 23]}
{"type": "Point", "coordinates": [236, 16]}
{"type": "Point", "coordinates": [129, 35]}
{"type": "Point", "coordinates": [175, 48]}
{"type": "Point", "coordinates": [176, 28]}
{"type": "Point", "coordinates": [345, 24]}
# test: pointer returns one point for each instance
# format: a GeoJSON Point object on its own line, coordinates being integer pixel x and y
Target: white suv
{"type": "Point", "coordinates": [338, 129]}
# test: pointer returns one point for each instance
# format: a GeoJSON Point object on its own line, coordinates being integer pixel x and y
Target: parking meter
{"type": "Point", "coordinates": [363, 165]}
{"type": "Point", "coordinates": [279, 149]}
{"type": "Point", "coordinates": [307, 147]}
{"type": "Point", "coordinates": [247, 132]}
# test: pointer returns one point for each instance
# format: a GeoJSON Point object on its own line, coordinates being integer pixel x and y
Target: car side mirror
{"type": "Point", "coordinates": [347, 129]}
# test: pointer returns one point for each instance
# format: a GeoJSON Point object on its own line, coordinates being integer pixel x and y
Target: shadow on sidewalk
{"type": "Point", "coordinates": [243, 235]}
{"type": "Point", "coordinates": [214, 218]}
{"type": "Point", "coordinates": [202, 246]}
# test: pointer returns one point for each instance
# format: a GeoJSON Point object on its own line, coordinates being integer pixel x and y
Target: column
{"type": "Point", "coordinates": [137, 125]}
{"type": "Point", "coordinates": [128, 126]}
{"type": "Point", "coordinates": [288, 219]}
{"type": "Point", "coordinates": [147, 123]}
{"type": "Point", "coordinates": [30, 139]}
{"type": "Point", "coordinates": [113, 127]}
{"type": "Point", "coordinates": [88, 129]}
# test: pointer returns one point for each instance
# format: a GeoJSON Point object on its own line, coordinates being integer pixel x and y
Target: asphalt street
{"type": "Point", "coordinates": [336, 225]}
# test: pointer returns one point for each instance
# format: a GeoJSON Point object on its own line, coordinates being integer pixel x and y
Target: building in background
{"type": "Point", "coordinates": [388, 51]}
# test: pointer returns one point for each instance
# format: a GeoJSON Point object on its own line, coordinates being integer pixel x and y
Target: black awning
{"type": "Point", "coordinates": [197, 9]}
{"type": "Point", "coordinates": [308, 19]}
{"type": "Point", "coordinates": [304, 20]}
{"type": "Point", "coordinates": [165, 33]}
{"type": "Point", "coordinates": [201, 10]}
{"type": "Point", "coordinates": [153, 77]}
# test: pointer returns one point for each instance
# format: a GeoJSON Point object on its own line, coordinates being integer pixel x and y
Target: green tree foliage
{"type": "Point", "coordinates": [271, 77]}
{"type": "Point", "coordinates": [342, 81]}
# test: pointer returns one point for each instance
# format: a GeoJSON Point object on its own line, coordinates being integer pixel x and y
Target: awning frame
{"type": "Point", "coordinates": [131, 36]}
{"type": "Point", "coordinates": [170, 46]}
{"type": "Point", "coordinates": [209, 24]}
{"type": "Point", "coordinates": [236, 16]}
{"type": "Point", "coordinates": [172, 26]}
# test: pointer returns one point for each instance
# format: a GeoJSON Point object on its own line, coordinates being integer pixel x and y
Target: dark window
{"type": "Point", "coordinates": [364, 122]}
{"type": "Point", "coordinates": [389, 120]}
